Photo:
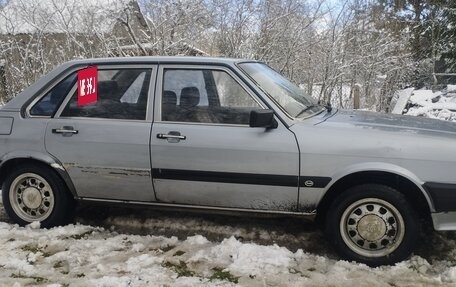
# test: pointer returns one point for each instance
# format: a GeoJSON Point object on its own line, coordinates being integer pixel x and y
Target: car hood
{"type": "Point", "coordinates": [391, 123]}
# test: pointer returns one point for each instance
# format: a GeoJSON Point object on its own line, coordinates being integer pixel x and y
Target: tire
{"type": "Point", "coordinates": [35, 192]}
{"type": "Point", "coordinates": [372, 224]}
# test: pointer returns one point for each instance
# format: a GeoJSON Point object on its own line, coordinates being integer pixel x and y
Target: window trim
{"type": "Point", "coordinates": [160, 85]}
{"type": "Point", "coordinates": [150, 96]}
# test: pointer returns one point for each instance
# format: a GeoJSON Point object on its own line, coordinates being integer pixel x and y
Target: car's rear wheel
{"type": "Point", "coordinates": [372, 224]}
{"type": "Point", "coordinates": [36, 193]}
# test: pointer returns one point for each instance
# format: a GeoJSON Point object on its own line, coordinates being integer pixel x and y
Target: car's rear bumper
{"type": "Point", "coordinates": [444, 220]}
{"type": "Point", "coordinates": [443, 195]}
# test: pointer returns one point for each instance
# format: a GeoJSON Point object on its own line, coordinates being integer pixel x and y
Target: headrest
{"type": "Point", "coordinates": [190, 97]}
{"type": "Point", "coordinates": [169, 98]}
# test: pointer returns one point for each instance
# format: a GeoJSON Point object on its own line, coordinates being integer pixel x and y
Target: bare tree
{"type": "Point", "coordinates": [172, 23]}
{"type": "Point", "coordinates": [329, 49]}
{"type": "Point", "coordinates": [35, 36]}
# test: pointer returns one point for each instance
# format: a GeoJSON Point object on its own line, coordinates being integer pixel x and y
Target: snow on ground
{"type": "Point", "coordinates": [118, 246]}
{"type": "Point", "coordinates": [434, 104]}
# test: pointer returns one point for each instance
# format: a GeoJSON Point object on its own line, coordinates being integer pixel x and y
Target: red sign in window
{"type": "Point", "coordinates": [87, 86]}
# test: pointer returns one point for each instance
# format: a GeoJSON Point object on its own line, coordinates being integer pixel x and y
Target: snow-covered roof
{"type": "Point", "coordinates": [60, 16]}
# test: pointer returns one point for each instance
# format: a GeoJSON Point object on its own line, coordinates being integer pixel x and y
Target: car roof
{"type": "Point", "coordinates": [160, 60]}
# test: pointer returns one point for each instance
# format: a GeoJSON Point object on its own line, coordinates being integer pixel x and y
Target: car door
{"type": "Point", "coordinates": [104, 146]}
{"type": "Point", "coordinates": [203, 151]}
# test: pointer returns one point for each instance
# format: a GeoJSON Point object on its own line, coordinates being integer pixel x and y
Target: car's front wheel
{"type": "Point", "coordinates": [36, 193]}
{"type": "Point", "coordinates": [372, 224]}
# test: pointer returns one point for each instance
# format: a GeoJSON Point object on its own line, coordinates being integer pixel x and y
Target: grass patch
{"type": "Point", "coordinates": [179, 253]}
{"type": "Point", "coordinates": [35, 249]}
{"type": "Point", "coordinates": [80, 236]}
{"type": "Point", "coordinates": [58, 264]}
{"type": "Point", "coordinates": [167, 248]}
{"type": "Point", "coordinates": [181, 269]}
{"type": "Point", "coordinates": [31, 248]}
{"type": "Point", "coordinates": [37, 279]}
{"type": "Point", "coordinates": [297, 272]}
{"type": "Point", "coordinates": [219, 274]}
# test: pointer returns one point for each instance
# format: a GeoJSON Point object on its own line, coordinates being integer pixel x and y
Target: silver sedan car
{"type": "Point", "coordinates": [224, 135]}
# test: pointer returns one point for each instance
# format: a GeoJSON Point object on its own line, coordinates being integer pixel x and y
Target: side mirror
{"type": "Point", "coordinates": [262, 119]}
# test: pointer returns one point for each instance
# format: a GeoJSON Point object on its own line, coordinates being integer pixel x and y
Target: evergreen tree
{"type": "Point", "coordinates": [432, 24]}
{"type": "Point", "coordinates": [447, 43]}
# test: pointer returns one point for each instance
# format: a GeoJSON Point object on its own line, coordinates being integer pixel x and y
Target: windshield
{"type": "Point", "coordinates": [287, 95]}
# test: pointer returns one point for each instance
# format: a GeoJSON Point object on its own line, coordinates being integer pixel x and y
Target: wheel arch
{"type": "Point", "coordinates": [396, 177]}
{"type": "Point", "coordinates": [9, 161]}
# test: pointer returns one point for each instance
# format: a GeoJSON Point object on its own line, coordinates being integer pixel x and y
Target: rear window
{"type": "Point", "coordinates": [48, 104]}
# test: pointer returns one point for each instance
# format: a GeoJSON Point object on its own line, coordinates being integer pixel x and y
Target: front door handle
{"type": "Point", "coordinates": [172, 136]}
{"type": "Point", "coordinates": [65, 131]}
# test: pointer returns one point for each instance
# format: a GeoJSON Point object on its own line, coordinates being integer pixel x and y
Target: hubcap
{"type": "Point", "coordinates": [372, 227]}
{"type": "Point", "coordinates": [31, 197]}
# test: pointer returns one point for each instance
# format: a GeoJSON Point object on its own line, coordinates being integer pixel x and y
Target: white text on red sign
{"type": "Point", "coordinates": [87, 86]}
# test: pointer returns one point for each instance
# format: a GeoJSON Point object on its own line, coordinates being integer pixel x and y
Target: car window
{"type": "Point", "coordinates": [48, 104]}
{"type": "Point", "coordinates": [205, 96]}
{"type": "Point", "coordinates": [122, 94]}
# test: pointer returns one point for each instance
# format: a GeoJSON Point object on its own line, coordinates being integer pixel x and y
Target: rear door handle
{"type": "Point", "coordinates": [172, 136]}
{"type": "Point", "coordinates": [163, 136]}
{"type": "Point", "coordinates": [65, 130]}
